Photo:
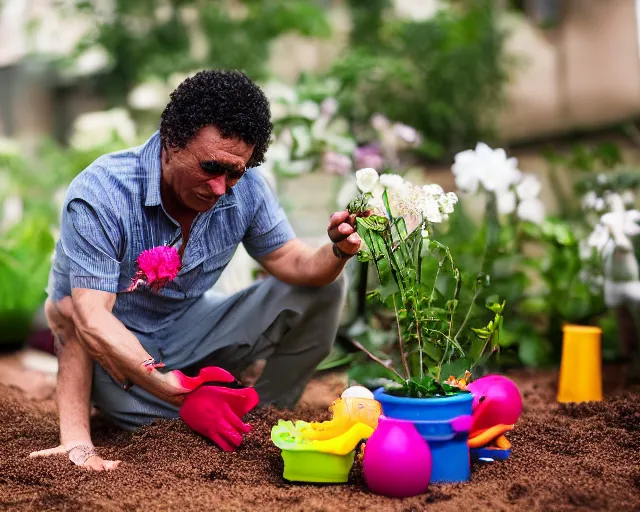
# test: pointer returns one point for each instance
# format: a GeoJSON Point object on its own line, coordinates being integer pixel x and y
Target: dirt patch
{"type": "Point", "coordinates": [580, 457]}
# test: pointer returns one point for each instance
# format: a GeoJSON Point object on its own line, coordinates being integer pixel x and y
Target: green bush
{"type": "Point", "coordinates": [444, 76]}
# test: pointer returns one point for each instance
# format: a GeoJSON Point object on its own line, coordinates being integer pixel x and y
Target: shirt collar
{"type": "Point", "coordinates": [151, 157]}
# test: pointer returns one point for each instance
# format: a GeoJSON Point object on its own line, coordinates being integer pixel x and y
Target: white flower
{"type": "Point", "coordinates": [391, 181]}
{"type": "Point", "coordinates": [149, 96]}
{"type": "Point", "coordinates": [531, 210]}
{"type": "Point", "coordinates": [406, 133]}
{"type": "Point", "coordinates": [367, 179]}
{"type": "Point", "coordinates": [464, 170]}
{"type": "Point", "coordinates": [302, 139]}
{"type": "Point", "coordinates": [599, 205]}
{"type": "Point", "coordinates": [450, 199]}
{"type": "Point", "coordinates": [597, 239]}
{"type": "Point", "coordinates": [96, 129]}
{"type": "Point", "coordinates": [379, 122]}
{"type": "Point", "coordinates": [279, 92]}
{"type": "Point", "coordinates": [278, 152]}
{"type": "Point", "coordinates": [506, 202]}
{"type": "Point", "coordinates": [447, 203]}
{"type": "Point", "coordinates": [309, 110]}
{"type": "Point", "coordinates": [12, 212]}
{"type": "Point", "coordinates": [339, 143]}
{"type": "Point", "coordinates": [431, 209]}
{"type": "Point", "coordinates": [376, 201]}
{"type": "Point", "coordinates": [175, 79]}
{"type": "Point", "coordinates": [589, 200]}
{"type": "Point", "coordinates": [278, 111]}
{"type": "Point", "coordinates": [329, 107]}
{"type": "Point", "coordinates": [585, 250]}
{"type": "Point", "coordinates": [628, 198]}
{"type": "Point", "coordinates": [614, 201]}
{"type": "Point", "coordinates": [424, 233]}
{"type": "Point", "coordinates": [433, 189]}
{"type": "Point", "coordinates": [489, 167]}
{"type": "Point", "coordinates": [626, 221]}
{"type": "Point", "coordinates": [91, 61]}
{"type": "Point", "coordinates": [529, 187]}
{"type": "Point", "coordinates": [300, 166]}
{"type": "Point", "coordinates": [617, 225]}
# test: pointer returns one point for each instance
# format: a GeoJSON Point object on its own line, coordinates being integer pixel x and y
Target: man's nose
{"type": "Point", "coordinates": [218, 185]}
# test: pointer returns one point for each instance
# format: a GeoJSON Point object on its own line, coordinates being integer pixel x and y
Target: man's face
{"type": "Point", "coordinates": [205, 169]}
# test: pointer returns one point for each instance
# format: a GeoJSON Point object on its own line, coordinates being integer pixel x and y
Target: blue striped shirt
{"type": "Point", "coordinates": [113, 211]}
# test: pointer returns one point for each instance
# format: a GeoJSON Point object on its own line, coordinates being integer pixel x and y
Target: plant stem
{"type": "Point", "coordinates": [396, 271]}
{"type": "Point", "coordinates": [377, 360]}
{"type": "Point", "coordinates": [402, 354]}
{"type": "Point", "coordinates": [468, 315]}
{"type": "Point", "coordinates": [415, 314]}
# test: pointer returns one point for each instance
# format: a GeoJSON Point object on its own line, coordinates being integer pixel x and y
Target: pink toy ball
{"type": "Point", "coordinates": [496, 401]}
{"type": "Point", "coordinates": [397, 461]}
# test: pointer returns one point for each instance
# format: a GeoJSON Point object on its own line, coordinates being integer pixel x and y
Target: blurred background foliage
{"type": "Point", "coordinates": [152, 39]}
{"type": "Point", "coordinates": [444, 76]}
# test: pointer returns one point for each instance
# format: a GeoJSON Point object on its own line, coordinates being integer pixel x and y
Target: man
{"type": "Point", "coordinates": [193, 183]}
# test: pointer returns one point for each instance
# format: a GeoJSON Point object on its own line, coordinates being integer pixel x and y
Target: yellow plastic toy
{"type": "Point", "coordinates": [581, 366]}
{"type": "Point", "coordinates": [355, 405]}
{"type": "Point", "coordinates": [325, 451]}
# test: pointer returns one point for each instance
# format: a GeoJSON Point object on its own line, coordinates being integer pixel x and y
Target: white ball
{"type": "Point", "coordinates": [357, 392]}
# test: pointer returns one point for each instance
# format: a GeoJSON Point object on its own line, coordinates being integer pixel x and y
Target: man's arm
{"type": "Point", "coordinates": [297, 263]}
{"type": "Point", "coordinates": [117, 350]}
{"type": "Point", "coordinates": [73, 390]}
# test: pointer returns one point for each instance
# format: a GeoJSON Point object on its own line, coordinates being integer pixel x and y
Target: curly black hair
{"type": "Point", "coordinates": [228, 100]}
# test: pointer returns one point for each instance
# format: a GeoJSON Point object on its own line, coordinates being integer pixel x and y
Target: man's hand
{"type": "Point", "coordinates": [93, 463]}
{"type": "Point", "coordinates": [342, 232]}
{"type": "Point", "coordinates": [215, 411]}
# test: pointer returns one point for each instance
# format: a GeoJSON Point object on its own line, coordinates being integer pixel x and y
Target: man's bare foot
{"type": "Point", "coordinates": [94, 463]}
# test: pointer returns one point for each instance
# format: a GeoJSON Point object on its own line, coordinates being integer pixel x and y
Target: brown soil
{"type": "Point", "coordinates": [580, 457]}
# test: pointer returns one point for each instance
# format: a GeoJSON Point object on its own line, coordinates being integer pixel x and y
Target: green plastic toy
{"type": "Point", "coordinates": [320, 461]}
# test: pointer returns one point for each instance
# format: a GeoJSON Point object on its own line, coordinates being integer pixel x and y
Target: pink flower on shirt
{"type": "Point", "coordinates": [156, 267]}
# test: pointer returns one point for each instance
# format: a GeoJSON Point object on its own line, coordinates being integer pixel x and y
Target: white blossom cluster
{"type": "Point", "coordinates": [95, 129]}
{"type": "Point", "coordinates": [427, 202]}
{"type": "Point", "coordinates": [320, 130]}
{"type": "Point", "coordinates": [596, 203]}
{"type": "Point", "coordinates": [616, 225]}
{"type": "Point", "coordinates": [490, 170]}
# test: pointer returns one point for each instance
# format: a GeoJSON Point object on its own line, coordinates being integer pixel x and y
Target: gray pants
{"type": "Point", "coordinates": [291, 327]}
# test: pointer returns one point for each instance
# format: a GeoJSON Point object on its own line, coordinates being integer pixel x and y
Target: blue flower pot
{"type": "Point", "coordinates": [443, 422]}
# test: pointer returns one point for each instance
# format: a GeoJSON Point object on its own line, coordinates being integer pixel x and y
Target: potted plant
{"type": "Point", "coordinates": [436, 346]}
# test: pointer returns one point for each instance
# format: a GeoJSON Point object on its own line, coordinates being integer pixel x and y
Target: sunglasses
{"type": "Point", "coordinates": [214, 168]}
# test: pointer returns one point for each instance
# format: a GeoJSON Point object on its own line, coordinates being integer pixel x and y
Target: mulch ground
{"type": "Point", "coordinates": [579, 457]}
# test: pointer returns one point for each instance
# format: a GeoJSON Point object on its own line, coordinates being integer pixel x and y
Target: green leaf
{"type": "Point", "coordinates": [385, 200]}
{"type": "Point", "coordinates": [455, 368]}
{"type": "Point", "coordinates": [388, 289]}
{"type": "Point", "coordinates": [363, 256]}
{"type": "Point", "coordinates": [496, 307]}
{"type": "Point", "coordinates": [373, 222]}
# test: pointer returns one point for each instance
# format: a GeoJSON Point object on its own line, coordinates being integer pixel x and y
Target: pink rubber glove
{"type": "Point", "coordinates": [216, 411]}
